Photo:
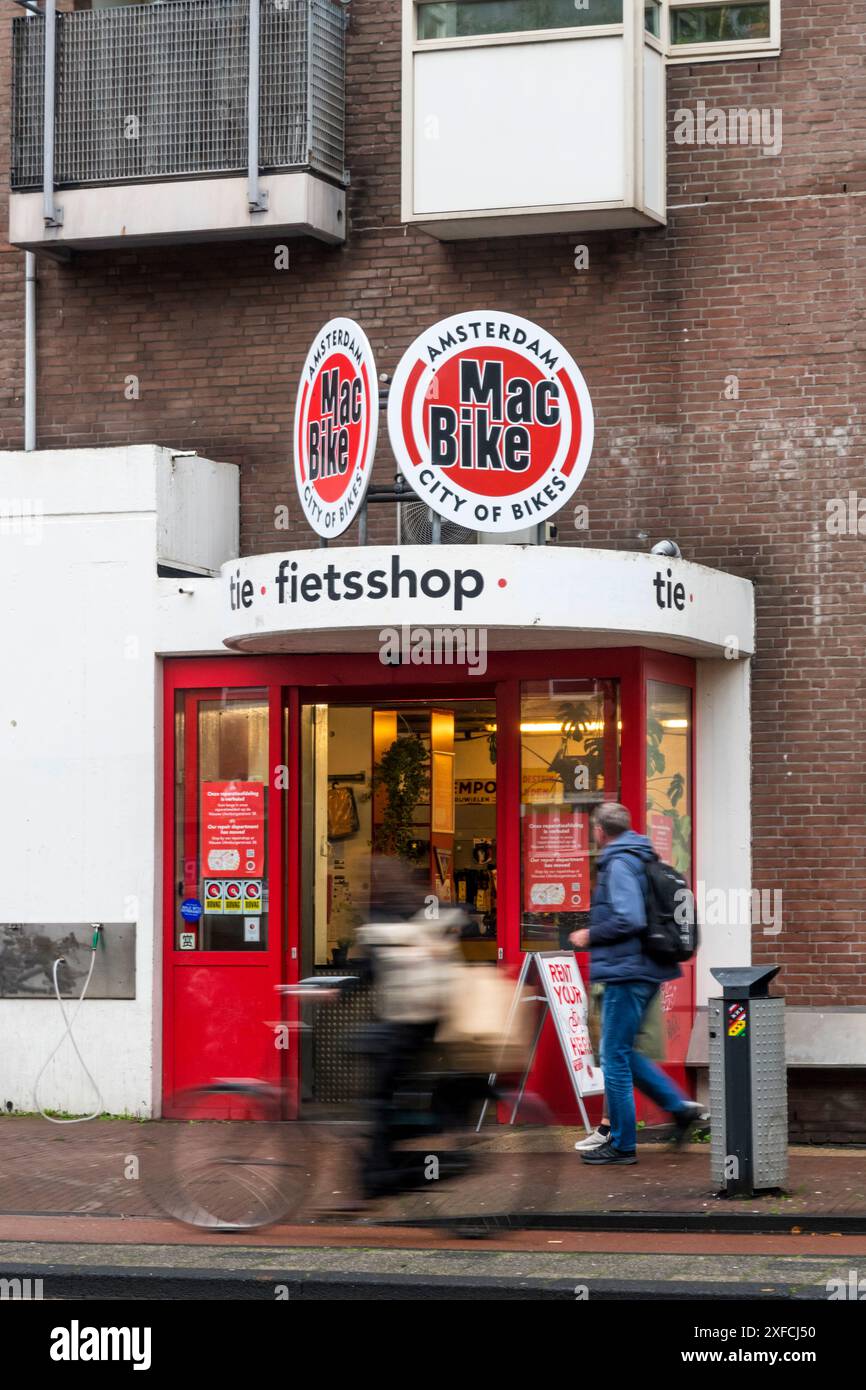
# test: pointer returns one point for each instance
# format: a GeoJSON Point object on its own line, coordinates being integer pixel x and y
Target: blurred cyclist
{"type": "Point", "coordinates": [411, 946]}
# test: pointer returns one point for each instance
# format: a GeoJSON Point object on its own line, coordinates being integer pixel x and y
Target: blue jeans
{"type": "Point", "coordinates": [623, 1008]}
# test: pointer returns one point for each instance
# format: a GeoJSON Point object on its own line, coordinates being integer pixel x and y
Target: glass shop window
{"type": "Point", "coordinates": [569, 764]}
{"type": "Point", "coordinates": [669, 773]}
{"type": "Point", "coordinates": [221, 821]}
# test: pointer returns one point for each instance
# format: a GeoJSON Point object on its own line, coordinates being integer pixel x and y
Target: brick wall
{"type": "Point", "coordinates": [760, 273]}
{"type": "Point", "coordinates": [826, 1105]}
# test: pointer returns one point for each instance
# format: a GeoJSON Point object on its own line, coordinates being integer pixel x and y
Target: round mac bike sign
{"type": "Point", "coordinates": [490, 421]}
{"type": "Point", "coordinates": [336, 423]}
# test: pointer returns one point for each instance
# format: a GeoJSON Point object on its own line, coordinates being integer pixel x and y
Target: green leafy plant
{"type": "Point", "coordinates": [579, 720]}
{"type": "Point", "coordinates": [402, 772]}
{"type": "Point", "coordinates": [681, 823]}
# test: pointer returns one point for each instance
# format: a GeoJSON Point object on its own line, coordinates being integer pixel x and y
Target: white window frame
{"type": "Point", "coordinates": [510, 36]}
{"type": "Point", "coordinates": [770, 47]}
{"type": "Point", "coordinates": [678, 54]}
{"type": "Point", "coordinates": [657, 39]}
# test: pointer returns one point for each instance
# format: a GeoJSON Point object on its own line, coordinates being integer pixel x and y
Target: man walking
{"type": "Point", "coordinates": [631, 978]}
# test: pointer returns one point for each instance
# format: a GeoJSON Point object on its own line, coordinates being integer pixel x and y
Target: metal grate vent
{"type": "Point", "coordinates": [416, 527]}
{"type": "Point", "coordinates": [340, 1072]}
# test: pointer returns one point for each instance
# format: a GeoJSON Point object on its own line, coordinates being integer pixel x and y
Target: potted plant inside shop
{"type": "Point", "coordinates": [402, 774]}
{"type": "Point", "coordinates": [681, 823]}
{"type": "Point", "coordinates": [579, 772]}
{"type": "Point", "coordinates": [340, 952]}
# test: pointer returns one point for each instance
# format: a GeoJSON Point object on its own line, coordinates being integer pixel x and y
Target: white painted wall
{"type": "Point", "coordinates": [519, 125]}
{"type": "Point", "coordinates": [189, 534]}
{"type": "Point", "coordinates": [723, 859]}
{"type": "Point", "coordinates": [80, 733]}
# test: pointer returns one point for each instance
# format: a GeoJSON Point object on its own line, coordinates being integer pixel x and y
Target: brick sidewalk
{"type": "Point", "coordinates": [80, 1169]}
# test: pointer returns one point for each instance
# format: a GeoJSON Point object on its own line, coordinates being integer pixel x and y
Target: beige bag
{"type": "Point", "coordinates": [475, 1029]}
{"type": "Point", "coordinates": [343, 818]}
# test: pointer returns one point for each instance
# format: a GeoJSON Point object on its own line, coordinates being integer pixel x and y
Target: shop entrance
{"type": "Point", "coordinates": [414, 780]}
{"type": "Point", "coordinates": [283, 775]}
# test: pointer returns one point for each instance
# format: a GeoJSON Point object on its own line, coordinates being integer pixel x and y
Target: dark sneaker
{"type": "Point", "coordinates": [685, 1121]}
{"type": "Point", "coordinates": [593, 1141]}
{"type": "Point", "coordinates": [606, 1153]}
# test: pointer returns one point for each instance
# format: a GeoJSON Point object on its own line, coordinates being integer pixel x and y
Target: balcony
{"type": "Point", "coordinates": [199, 120]}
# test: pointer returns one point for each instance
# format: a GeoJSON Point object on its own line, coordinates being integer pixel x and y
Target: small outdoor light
{"type": "Point", "coordinates": [668, 548]}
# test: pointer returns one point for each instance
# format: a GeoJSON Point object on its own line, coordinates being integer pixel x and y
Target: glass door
{"type": "Point", "coordinates": [223, 941]}
{"type": "Point", "coordinates": [408, 780]}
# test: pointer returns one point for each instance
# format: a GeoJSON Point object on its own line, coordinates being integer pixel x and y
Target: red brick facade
{"type": "Point", "coordinates": [760, 274]}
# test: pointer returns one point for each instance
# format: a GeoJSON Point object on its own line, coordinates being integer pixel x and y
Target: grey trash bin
{"type": "Point", "coordinates": [748, 1083]}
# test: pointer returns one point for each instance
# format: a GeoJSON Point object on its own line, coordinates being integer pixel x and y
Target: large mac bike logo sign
{"type": "Point", "coordinates": [336, 423]}
{"type": "Point", "coordinates": [490, 421]}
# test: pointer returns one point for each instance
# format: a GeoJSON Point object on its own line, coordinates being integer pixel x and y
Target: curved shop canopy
{"type": "Point", "coordinates": [341, 598]}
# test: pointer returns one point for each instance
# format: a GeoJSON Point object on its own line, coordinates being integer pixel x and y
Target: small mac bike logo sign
{"type": "Point", "coordinates": [736, 1020]}
{"type": "Point", "coordinates": [490, 421]}
{"type": "Point", "coordinates": [336, 423]}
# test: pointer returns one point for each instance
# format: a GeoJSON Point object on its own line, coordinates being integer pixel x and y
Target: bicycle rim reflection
{"type": "Point", "coordinates": [221, 1175]}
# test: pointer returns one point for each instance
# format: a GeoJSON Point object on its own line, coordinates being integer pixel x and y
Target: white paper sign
{"type": "Point", "coordinates": [566, 997]}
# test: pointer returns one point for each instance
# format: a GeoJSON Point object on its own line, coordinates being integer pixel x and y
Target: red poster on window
{"type": "Point", "coordinates": [233, 829]}
{"type": "Point", "coordinates": [661, 834]}
{"type": "Point", "coordinates": [556, 860]}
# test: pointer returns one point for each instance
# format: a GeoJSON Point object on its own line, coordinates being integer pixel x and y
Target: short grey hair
{"type": "Point", "coordinates": [613, 817]}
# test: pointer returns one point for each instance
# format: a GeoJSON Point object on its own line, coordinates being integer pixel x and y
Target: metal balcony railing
{"type": "Point", "coordinates": [156, 91]}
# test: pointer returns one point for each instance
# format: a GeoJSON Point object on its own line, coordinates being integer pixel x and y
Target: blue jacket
{"type": "Point", "coordinates": [618, 915]}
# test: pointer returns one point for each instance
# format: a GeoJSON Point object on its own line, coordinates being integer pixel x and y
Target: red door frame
{"type": "Point", "coordinates": [291, 680]}
{"type": "Point", "coordinates": [272, 957]}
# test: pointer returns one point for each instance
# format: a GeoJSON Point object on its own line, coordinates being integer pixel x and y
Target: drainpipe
{"type": "Point", "coordinates": [29, 350]}
{"type": "Point", "coordinates": [30, 335]}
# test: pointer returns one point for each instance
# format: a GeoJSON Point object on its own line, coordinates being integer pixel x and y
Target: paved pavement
{"type": "Point", "coordinates": [75, 1212]}
{"type": "Point", "coordinates": [96, 1168]}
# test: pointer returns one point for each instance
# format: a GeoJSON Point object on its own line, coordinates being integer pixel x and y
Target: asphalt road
{"type": "Point", "coordinates": [412, 1271]}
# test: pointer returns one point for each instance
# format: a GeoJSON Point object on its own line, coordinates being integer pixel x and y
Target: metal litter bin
{"type": "Point", "coordinates": [748, 1083]}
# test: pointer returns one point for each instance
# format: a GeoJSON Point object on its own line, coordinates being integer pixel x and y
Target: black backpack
{"type": "Point", "coordinates": [672, 926]}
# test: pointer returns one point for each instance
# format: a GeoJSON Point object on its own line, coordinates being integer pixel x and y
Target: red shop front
{"type": "Point", "coordinates": [277, 775]}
